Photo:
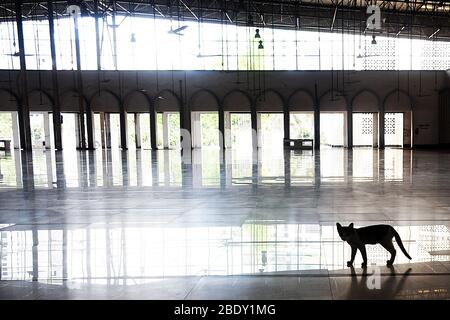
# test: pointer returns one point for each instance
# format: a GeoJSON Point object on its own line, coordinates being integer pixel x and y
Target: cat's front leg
{"type": "Point", "coordinates": [350, 263]}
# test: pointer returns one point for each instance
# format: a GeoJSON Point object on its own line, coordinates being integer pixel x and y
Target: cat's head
{"type": "Point", "coordinates": [345, 232]}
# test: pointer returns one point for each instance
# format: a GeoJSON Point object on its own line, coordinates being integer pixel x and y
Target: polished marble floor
{"type": "Point", "coordinates": [142, 224]}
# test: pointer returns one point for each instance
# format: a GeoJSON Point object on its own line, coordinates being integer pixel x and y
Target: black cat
{"type": "Point", "coordinates": [358, 238]}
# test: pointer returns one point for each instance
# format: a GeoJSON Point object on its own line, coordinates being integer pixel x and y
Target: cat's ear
{"type": "Point", "coordinates": [338, 225]}
{"type": "Point", "coordinates": [351, 225]}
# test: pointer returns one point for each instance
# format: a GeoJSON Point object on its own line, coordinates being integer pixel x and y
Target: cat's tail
{"type": "Point", "coordinates": [400, 243]}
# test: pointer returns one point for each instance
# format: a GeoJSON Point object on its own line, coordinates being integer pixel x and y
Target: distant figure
{"type": "Point", "coordinates": [358, 238]}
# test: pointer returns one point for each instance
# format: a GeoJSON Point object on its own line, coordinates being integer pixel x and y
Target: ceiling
{"type": "Point", "coordinates": [415, 19]}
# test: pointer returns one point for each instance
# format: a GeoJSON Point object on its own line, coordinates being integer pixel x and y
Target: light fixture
{"type": "Point", "coordinates": [260, 46]}
{"type": "Point", "coordinates": [257, 34]}
{"type": "Point", "coordinates": [373, 40]}
{"type": "Point", "coordinates": [133, 38]}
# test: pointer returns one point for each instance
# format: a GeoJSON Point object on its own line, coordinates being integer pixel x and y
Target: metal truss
{"type": "Point", "coordinates": [407, 18]}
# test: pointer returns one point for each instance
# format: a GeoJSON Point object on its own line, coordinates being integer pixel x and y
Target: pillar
{"type": "Point", "coordinates": [165, 123]}
{"type": "Point", "coordinates": [47, 133]}
{"type": "Point", "coordinates": [108, 130]}
{"type": "Point", "coordinates": [316, 120]}
{"type": "Point", "coordinates": [258, 130]}
{"type": "Point", "coordinates": [55, 85]}
{"type": "Point", "coordinates": [254, 120]}
{"type": "Point", "coordinates": [375, 130]}
{"type": "Point", "coordinates": [137, 130]}
{"type": "Point", "coordinates": [153, 134]}
{"type": "Point", "coordinates": [286, 122]}
{"type": "Point", "coordinates": [407, 129]}
{"type": "Point", "coordinates": [349, 129]}
{"type": "Point", "coordinates": [102, 130]}
{"type": "Point", "coordinates": [123, 129]}
{"type": "Point", "coordinates": [90, 128]}
{"type": "Point", "coordinates": [77, 130]}
{"type": "Point", "coordinates": [381, 129]}
{"type": "Point", "coordinates": [15, 129]}
{"type": "Point", "coordinates": [227, 129]}
{"type": "Point", "coordinates": [222, 138]}
{"type": "Point", "coordinates": [196, 130]}
{"type": "Point", "coordinates": [24, 109]}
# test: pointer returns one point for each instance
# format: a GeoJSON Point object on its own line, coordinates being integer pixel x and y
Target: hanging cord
{"type": "Point", "coordinates": [38, 55]}
{"type": "Point", "coordinates": [155, 46]}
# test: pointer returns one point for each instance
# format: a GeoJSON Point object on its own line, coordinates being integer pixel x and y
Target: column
{"type": "Point", "coordinates": [165, 123]}
{"type": "Point", "coordinates": [286, 122]}
{"type": "Point", "coordinates": [258, 129]}
{"type": "Point", "coordinates": [77, 130]}
{"type": "Point", "coordinates": [254, 119]}
{"type": "Point", "coordinates": [24, 109]}
{"type": "Point", "coordinates": [316, 120]}
{"type": "Point", "coordinates": [108, 130]}
{"type": "Point", "coordinates": [15, 129]}
{"type": "Point", "coordinates": [90, 128]}
{"type": "Point", "coordinates": [381, 129]}
{"type": "Point", "coordinates": [196, 130]}
{"type": "Point", "coordinates": [350, 128]}
{"type": "Point", "coordinates": [102, 130]}
{"type": "Point", "coordinates": [221, 128]}
{"type": "Point", "coordinates": [227, 129]}
{"type": "Point", "coordinates": [137, 130]}
{"type": "Point", "coordinates": [123, 129]}
{"type": "Point", "coordinates": [407, 129]}
{"type": "Point", "coordinates": [375, 129]}
{"type": "Point", "coordinates": [153, 135]}
{"type": "Point", "coordinates": [55, 85]}
{"type": "Point", "coordinates": [47, 133]}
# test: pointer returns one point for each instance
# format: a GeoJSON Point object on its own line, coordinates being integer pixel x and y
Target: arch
{"type": "Point", "coordinates": [9, 101]}
{"type": "Point", "coordinates": [106, 101]}
{"type": "Point", "coordinates": [69, 101]}
{"type": "Point", "coordinates": [237, 100]}
{"type": "Point", "coordinates": [397, 100]}
{"type": "Point", "coordinates": [137, 101]}
{"type": "Point", "coordinates": [40, 100]}
{"type": "Point", "coordinates": [167, 100]}
{"type": "Point", "coordinates": [270, 100]}
{"type": "Point", "coordinates": [366, 101]}
{"type": "Point", "coordinates": [204, 100]}
{"type": "Point", "coordinates": [333, 100]}
{"type": "Point", "coordinates": [301, 100]}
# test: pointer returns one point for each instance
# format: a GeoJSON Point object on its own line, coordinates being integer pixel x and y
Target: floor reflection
{"type": "Point", "coordinates": [119, 250]}
{"type": "Point", "coordinates": [206, 167]}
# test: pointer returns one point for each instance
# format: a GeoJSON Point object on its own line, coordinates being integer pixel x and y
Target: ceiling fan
{"type": "Point", "coordinates": [359, 56]}
{"type": "Point", "coordinates": [208, 55]}
{"type": "Point", "coordinates": [177, 30]}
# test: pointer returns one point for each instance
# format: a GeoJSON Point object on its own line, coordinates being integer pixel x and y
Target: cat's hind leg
{"type": "Point", "coordinates": [389, 246]}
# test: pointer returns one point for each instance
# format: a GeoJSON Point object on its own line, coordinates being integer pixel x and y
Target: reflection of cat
{"type": "Point", "coordinates": [358, 238]}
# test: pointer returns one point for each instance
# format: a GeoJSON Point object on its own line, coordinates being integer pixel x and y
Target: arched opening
{"type": "Point", "coordinates": [107, 127]}
{"type": "Point", "coordinates": [365, 107]}
{"type": "Point", "coordinates": [70, 121]}
{"type": "Point", "coordinates": [237, 107]}
{"type": "Point", "coordinates": [301, 115]}
{"type": "Point", "coordinates": [167, 105]}
{"type": "Point", "coordinates": [9, 122]}
{"type": "Point", "coordinates": [333, 119]}
{"type": "Point", "coordinates": [41, 119]}
{"type": "Point", "coordinates": [398, 117]}
{"type": "Point", "coordinates": [137, 106]}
